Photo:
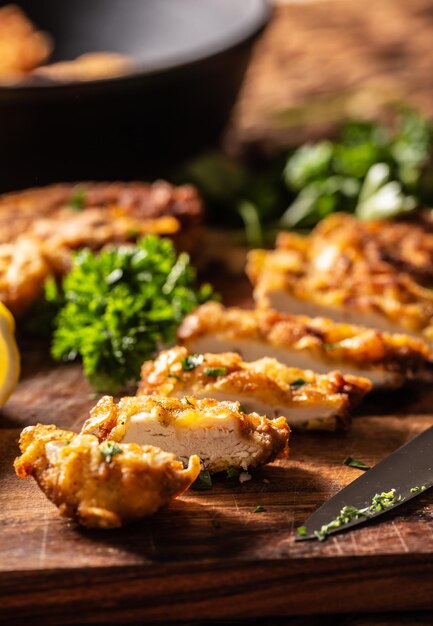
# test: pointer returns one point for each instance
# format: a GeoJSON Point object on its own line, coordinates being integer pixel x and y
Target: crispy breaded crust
{"type": "Point", "coordinates": [89, 66]}
{"type": "Point", "coordinates": [272, 383]}
{"type": "Point", "coordinates": [22, 47]}
{"type": "Point", "coordinates": [110, 420]}
{"type": "Point", "coordinates": [107, 213]}
{"type": "Point", "coordinates": [23, 270]}
{"type": "Point", "coordinates": [96, 490]}
{"type": "Point", "coordinates": [335, 343]}
{"type": "Point", "coordinates": [341, 265]}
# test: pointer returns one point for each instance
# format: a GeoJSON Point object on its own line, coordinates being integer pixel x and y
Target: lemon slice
{"type": "Point", "coordinates": [9, 355]}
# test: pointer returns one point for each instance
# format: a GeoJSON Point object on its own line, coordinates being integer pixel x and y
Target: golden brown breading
{"type": "Point", "coordinates": [306, 399]}
{"type": "Point", "coordinates": [22, 47]}
{"type": "Point", "coordinates": [340, 271]}
{"type": "Point", "coordinates": [103, 213]}
{"type": "Point", "coordinates": [90, 66]}
{"type": "Point", "coordinates": [405, 243]}
{"type": "Point", "coordinates": [309, 343]}
{"type": "Point", "coordinates": [23, 270]}
{"type": "Point", "coordinates": [218, 432]}
{"type": "Point", "coordinates": [101, 486]}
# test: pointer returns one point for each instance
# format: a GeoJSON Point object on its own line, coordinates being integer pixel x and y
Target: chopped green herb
{"type": "Point", "coordinates": [415, 489]}
{"type": "Point", "coordinates": [423, 488]}
{"type": "Point", "coordinates": [380, 502]}
{"type": "Point", "coordinates": [77, 201]}
{"type": "Point", "coordinates": [241, 408]}
{"type": "Point", "coordinates": [351, 462]}
{"type": "Point", "coordinates": [347, 514]}
{"type": "Point", "coordinates": [214, 372]}
{"type": "Point", "coordinates": [119, 306]}
{"type": "Point", "coordinates": [188, 401]}
{"type": "Point", "coordinates": [302, 531]}
{"type": "Point", "coordinates": [203, 482]}
{"type": "Point", "coordinates": [232, 479]}
{"type": "Point", "coordinates": [191, 361]}
{"type": "Point", "coordinates": [175, 376]}
{"type": "Point", "coordinates": [110, 449]}
{"type": "Point", "coordinates": [259, 509]}
{"type": "Point", "coordinates": [296, 384]}
{"type": "Point", "coordinates": [383, 500]}
{"type": "Point", "coordinates": [331, 346]}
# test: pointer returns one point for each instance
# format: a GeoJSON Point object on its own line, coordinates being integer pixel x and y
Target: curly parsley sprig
{"type": "Point", "coordinates": [119, 306]}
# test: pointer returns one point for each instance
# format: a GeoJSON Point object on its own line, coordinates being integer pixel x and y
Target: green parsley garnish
{"type": "Point", "coordinates": [232, 479]}
{"type": "Point", "coordinates": [380, 502]}
{"type": "Point", "coordinates": [331, 346]}
{"type": "Point", "coordinates": [119, 306]}
{"type": "Point", "coordinates": [383, 500]}
{"type": "Point", "coordinates": [203, 482]}
{"type": "Point", "coordinates": [175, 376]}
{"type": "Point", "coordinates": [296, 384]}
{"type": "Point", "coordinates": [78, 199]}
{"type": "Point", "coordinates": [351, 462]}
{"type": "Point", "coordinates": [414, 489]}
{"type": "Point", "coordinates": [191, 361]}
{"type": "Point", "coordinates": [423, 488]}
{"type": "Point", "coordinates": [188, 401]}
{"type": "Point", "coordinates": [259, 509]}
{"type": "Point", "coordinates": [110, 449]}
{"type": "Point", "coordinates": [214, 372]}
{"type": "Point", "coordinates": [302, 531]}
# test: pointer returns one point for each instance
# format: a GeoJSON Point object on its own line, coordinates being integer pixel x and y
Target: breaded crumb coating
{"type": "Point", "coordinates": [220, 433]}
{"type": "Point", "coordinates": [344, 270]}
{"type": "Point", "coordinates": [315, 343]}
{"type": "Point", "coordinates": [101, 486]}
{"type": "Point", "coordinates": [306, 399]}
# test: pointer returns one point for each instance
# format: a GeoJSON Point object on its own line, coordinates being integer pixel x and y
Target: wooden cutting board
{"type": "Point", "coordinates": [208, 555]}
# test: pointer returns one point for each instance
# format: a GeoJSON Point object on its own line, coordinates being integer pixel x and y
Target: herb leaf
{"type": "Point", "coordinates": [259, 509]}
{"type": "Point", "coordinates": [77, 201]}
{"type": "Point", "coordinates": [351, 462]}
{"type": "Point", "coordinates": [296, 384]}
{"type": "Point", "coordinates": [379, 502]}
{"type": "Point", "coordinates": [203, 482]}
{"type": "Point", "coordinates": [175, 376]}
{"type": "Point", "coordinates": [120, 305]}
{"type": "Point", "coordinates": [109, 449]}
{"type": "Point", "coordinates": [232, 479]}
{"type": "Point", "coordinates": [302, 531]}
{"type": "Point", "coordinates": [191, 361]}
{"type": "Point", "coordinates": [214, 372]}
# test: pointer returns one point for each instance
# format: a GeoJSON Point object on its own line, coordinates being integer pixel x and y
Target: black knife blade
{"type": "Point", "coordinates": [408, 470]}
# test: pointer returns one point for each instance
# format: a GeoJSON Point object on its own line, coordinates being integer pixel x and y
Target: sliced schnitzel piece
{"type": "Point", "coordinates": [89, 66]}
{"type": "Point", "coordinates": [101, 485]}
{"type": "Point", "coordinates": [305, 399]}
{"type": "Point", "coordinates": [50, 223]}
{"type": "Point", "coordinates": [218, 432]}
{"type": "Point", "coordinates": [23, 270]}
{"type": "Point", "coordinates": [22, 46]}
{"type": "Point", "coordinates": [340, 271]}
{"type": "Point", "coordinates": [405, 243]}
{"type": "Point", "coordinates": [316, 344]}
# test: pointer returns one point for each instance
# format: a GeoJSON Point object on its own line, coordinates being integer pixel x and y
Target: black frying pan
{"type": "Point", "coordinates": [189, 59]}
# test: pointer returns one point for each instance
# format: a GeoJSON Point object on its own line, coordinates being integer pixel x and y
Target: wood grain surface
{"type": "Point", "coordinates": [208, 555]}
